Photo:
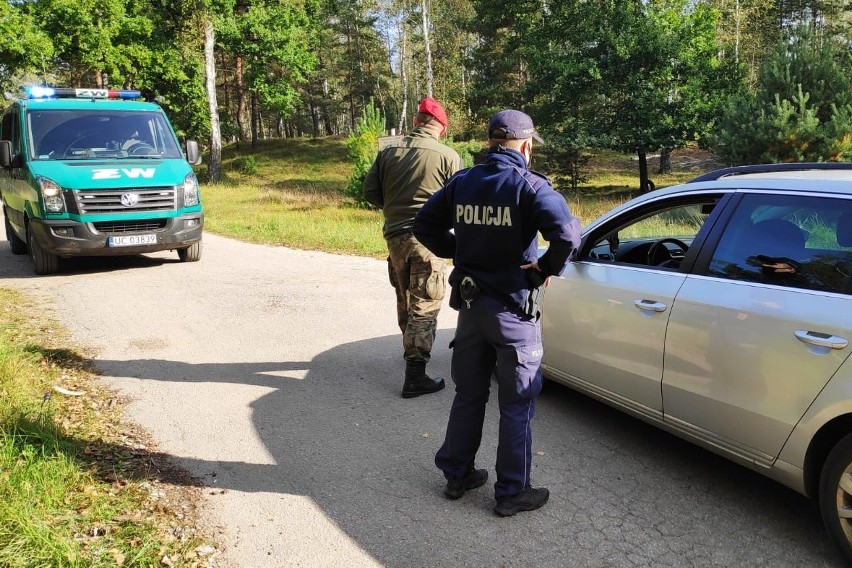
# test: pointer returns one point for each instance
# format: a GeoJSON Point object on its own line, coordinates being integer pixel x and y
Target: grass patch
{"type": "Point", "coordinates": [78, 486]}
{"type": "Point", "coordinates": [294, 198]}
{"type": "Point", "coordinates": [290, 193]}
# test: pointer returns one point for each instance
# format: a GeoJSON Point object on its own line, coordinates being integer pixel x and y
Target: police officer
{"type": "Point", "coordinates": [486, 219]}
{"type": "Point", "coordinates": [400, 181]}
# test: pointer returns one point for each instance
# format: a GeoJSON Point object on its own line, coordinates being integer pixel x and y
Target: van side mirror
{"type": "Point", "coordinates": [193, 155]}
{"type": "Point", "coordinates": [5, 154]}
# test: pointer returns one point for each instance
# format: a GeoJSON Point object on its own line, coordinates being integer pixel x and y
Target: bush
{"type": "Point", "coordinates": [467, 151]}
{"type": "Point", "coordinates": [363, 145]}
{"type": "Point", "coordinates": [246, 165]}
{"type": "Point", "coordinates": [249, 166]}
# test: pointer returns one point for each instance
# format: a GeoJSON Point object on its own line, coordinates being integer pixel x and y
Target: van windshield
{"type": "Point", "coordinates": [76, 134]}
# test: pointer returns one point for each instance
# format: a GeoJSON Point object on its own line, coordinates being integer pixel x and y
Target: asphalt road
{"type": "Point", "coordinates": [274, 374]}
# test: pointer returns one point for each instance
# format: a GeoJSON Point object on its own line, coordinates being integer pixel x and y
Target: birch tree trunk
{"type": "Point", "coordinates": [427, 50]}
{"type": "Point", "coordinates": [215, 167]}
{"type": "Point", "coordinates": [403, 75]}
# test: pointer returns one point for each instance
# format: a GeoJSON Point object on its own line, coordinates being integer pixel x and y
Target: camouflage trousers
{"type": "Point", "coordinates": [418, 277]}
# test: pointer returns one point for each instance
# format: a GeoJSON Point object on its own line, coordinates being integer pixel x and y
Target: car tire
{"type": "Point", "coordinates": [191, 253]}
{"type": "Point", "coordinates": [835, 495]}
{"type": "Point", "coordinates": [43, 262]}
{"type": "Point", "coordinates": [17, 245]}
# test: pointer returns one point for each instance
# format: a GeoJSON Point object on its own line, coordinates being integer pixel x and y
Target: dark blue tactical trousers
{"type": "Point", "coordinates": [491, 339]}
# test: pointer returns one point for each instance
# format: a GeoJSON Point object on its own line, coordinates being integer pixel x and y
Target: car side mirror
{"type": "Point", "coordinates": [5, 154]}
{"type": "Point", "coordinates": [193, 155]}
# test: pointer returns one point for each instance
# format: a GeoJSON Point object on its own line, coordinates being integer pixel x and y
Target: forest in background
{"type": "Point", "coordinates": [754, 80]}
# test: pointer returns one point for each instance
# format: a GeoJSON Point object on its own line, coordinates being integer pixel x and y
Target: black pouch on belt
{"type": "Point", "coordinates": [468, 290]}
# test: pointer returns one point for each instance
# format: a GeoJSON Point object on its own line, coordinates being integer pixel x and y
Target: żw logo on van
{"type": "Point", "coordinates": [118, 173]}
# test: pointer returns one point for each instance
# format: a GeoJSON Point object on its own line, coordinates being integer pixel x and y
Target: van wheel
{"type": "Point", "coordinates": [15, 243]}
{"type": "Point", "coordinates": [44, 263]}
{"type": "Point", "coordinates": [192, 253]}
{"type": "Point", "coordinates": [835, 495]}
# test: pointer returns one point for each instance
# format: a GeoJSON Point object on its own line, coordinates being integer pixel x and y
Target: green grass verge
{"type": "Point", "coordinates": [78, 487]}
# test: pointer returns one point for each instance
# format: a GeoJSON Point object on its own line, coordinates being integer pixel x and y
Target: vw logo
{"type": "Point", "coordinates": [129, 199]}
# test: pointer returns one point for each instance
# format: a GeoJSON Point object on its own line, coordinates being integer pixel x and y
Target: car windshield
{"type": "Point", "coordinates": [76, 134]}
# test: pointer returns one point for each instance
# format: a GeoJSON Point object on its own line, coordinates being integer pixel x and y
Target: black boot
{"type": "Point", "coordinates": [417, 382]}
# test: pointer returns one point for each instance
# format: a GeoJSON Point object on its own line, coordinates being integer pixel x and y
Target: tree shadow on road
{"type": "Point", "coordinates": [338, 433]}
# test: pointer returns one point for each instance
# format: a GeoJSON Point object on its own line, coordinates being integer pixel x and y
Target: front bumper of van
{"type": "Point", "coordinates": [66, 238]}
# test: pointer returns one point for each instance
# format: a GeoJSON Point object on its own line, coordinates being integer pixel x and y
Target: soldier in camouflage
{"type": "Point", "coordinates": [400, 181]}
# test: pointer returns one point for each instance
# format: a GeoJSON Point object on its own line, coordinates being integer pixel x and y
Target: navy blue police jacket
{"type": "Point", "coordinates": [487, 219]}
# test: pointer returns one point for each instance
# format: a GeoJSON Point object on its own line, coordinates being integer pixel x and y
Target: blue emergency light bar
{"type": "Point", "coordinates": [37, 92]}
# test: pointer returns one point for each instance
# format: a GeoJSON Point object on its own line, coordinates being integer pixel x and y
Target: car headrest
{"type": "Point", "coordinates": [777, 238]}
{"type": "Point", "coordinates": [844, 229]}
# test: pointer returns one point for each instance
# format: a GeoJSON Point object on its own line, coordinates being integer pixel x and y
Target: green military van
{"type": "Point", "coordinates": [94, 172]}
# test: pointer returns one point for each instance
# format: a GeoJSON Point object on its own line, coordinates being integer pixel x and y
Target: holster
{"type": "Point", "coordinates": [532, 308]}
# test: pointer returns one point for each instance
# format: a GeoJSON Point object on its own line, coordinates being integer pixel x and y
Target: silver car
{"type": "Point", "coordinates": [721, 311]}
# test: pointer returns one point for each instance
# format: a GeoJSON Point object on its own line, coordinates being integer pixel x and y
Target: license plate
{"type": "Point", "coordinates": [131, 240]}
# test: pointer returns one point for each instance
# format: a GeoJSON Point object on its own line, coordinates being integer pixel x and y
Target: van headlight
{"type": "Point", "coordinates": [51, 195]}
{"type": "Point", "coordinates": [190, 190]}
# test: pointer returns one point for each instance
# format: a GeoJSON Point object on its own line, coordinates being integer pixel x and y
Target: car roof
{"type": "Point", "coordinates": [803, 174]}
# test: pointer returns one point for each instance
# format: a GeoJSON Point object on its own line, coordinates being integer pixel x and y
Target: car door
{"type": "Point", "coordinates": [755, 337]}
{"type": "Point", "coordinates": [604, 320]}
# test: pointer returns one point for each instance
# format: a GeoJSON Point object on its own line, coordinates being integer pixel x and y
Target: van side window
{"type": "Point", "coordinates": [6, 125]}
{"type": "Point", "coordinates": [10, 129]}
{"type": "Point", "coordinates": [15, 134]}
{"type": "Point", "coordinates": [799, 242]}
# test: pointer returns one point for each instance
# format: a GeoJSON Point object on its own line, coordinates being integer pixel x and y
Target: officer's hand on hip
{"type": "Point", "coordinates": [536, 279]}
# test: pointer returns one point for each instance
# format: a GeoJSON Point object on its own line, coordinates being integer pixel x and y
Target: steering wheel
{"type": "Point", "coordinates": [141, 149]}
{"type": "Point", "coordinates": [658, 248]}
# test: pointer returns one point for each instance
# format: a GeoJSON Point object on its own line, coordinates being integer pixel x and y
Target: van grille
{"type": "Point", "coordinates": [124, 200]}
{"type": "Point", "coordinates": [113, 227]}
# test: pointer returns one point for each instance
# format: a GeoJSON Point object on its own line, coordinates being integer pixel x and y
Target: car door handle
{"type": "Point", "coordinates": [650, 305]}
{"type": "Point", "coordinates": [820, 339]}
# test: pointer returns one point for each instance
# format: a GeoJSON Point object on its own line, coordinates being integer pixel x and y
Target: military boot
{"type": "Point", "coordinates": [417, 382]}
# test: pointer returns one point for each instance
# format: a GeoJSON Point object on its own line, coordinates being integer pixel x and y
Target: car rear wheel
{"type": "Point", "coordinates": [191, 253]}
{"type": "Point", "coordinates": [835, 495]}
{"type": "Point", "coordinates": [44, 262]}
{"type": "Point", "coordinates": [17, 245]}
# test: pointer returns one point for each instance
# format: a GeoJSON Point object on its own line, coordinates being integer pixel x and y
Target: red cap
{"type": "Point", "coordinates": [433, 108]}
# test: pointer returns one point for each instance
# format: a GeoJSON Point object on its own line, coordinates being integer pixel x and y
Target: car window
{"type": "Point", "coordinates": [802, 242]}
{"type": "Point", "coordinates": [657, 237]}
